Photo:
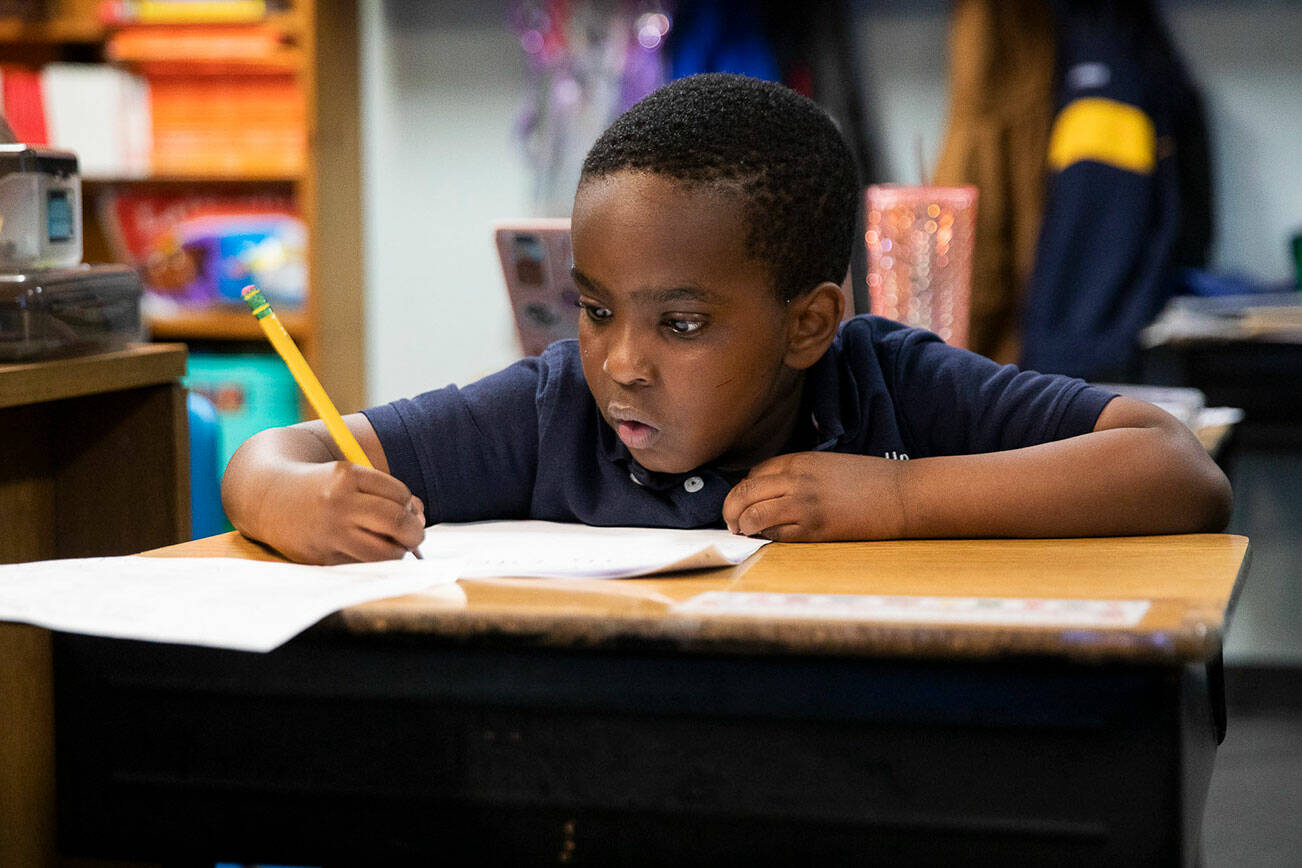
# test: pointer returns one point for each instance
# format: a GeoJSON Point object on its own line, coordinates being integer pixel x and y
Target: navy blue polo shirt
{"type": "Point", "coordinates": [529, 441]}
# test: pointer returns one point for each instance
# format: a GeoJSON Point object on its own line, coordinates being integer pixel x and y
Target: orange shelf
{"type": "Point", "coordinates": [289, 23]}
{"type": "Point", "coordinates": [223, 325]}
{"type": "Point", "coordinates": [53, 30]}
{"type": "Point", "coordinates": [287, 61]}
{"type": "Point", "coordinates": [189, 50]}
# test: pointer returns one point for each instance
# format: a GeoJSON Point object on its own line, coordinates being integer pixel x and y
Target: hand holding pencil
{"type": "Point", "coordinates": [307, 380]}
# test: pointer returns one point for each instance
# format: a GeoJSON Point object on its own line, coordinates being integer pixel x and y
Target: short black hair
{"type": "Point", "coordinates": [778, 148]}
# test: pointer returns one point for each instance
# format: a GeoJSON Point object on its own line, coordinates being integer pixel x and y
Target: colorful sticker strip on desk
{"type": "Point", "coordinates": [1029, 612]}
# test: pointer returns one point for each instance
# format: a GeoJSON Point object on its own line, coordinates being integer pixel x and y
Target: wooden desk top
{"type": "Point", "coordinates": [1191, 582]}
{"type": "Point", "coordinates": [1213, 437]}
{"type": "Point", "coordinates": [71, 377]}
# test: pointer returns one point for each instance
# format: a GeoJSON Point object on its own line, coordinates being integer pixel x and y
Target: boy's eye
{"type": "Point", "coordinates": [684, 327]}
{"type": "Point", "coordinates": [595, 312]}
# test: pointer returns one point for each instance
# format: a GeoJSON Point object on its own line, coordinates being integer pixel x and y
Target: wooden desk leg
{"type": "Point", "coordinates": [27, 809]}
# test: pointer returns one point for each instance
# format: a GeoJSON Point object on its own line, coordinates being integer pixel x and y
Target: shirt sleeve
{"type": "Point", "coordinates": [468, 453]}
{"type": "Point", "coordinates": [954, 402]}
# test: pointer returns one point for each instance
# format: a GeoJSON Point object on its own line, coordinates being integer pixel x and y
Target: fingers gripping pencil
{"type": "Point", "coordinates": [307, 381]}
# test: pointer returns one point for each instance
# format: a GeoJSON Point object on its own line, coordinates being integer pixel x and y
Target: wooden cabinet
{"type": "Point", "coordinates": [94, 454]}
{"type": "Point", "coordinates": [94, 460]}
{"type": "Point", "coordinates": [320, 51]}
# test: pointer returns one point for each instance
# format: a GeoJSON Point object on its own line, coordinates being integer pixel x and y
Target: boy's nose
{"type": "Point", "coordinates": [626, 364]}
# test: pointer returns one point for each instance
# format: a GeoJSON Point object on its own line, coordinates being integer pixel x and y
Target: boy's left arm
{"type": "Point", "coordinates": [1140, 471]}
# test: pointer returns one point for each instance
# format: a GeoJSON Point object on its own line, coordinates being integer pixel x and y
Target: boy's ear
{"type": "Point", "coordinates": [812, 321]}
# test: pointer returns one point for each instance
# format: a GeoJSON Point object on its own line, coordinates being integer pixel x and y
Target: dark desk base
{"type": "Point", "coordinates": [339, 751]}
{"type": "Point", "coordinates": [1264, 463]}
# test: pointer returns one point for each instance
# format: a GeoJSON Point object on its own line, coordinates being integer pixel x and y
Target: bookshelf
{"type": "Point", "coordinates": [316, 49]}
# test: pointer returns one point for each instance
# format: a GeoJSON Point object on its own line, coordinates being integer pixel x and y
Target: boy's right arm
{"type": "Point", "coordinates": [291, 489]}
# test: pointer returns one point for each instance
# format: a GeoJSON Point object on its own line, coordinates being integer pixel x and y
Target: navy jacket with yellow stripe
{"type": "Point", "coordinates": [1127, 203]}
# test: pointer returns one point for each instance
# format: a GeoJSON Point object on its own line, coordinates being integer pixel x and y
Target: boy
{"type": "Point", "coordinates": [711, 385]}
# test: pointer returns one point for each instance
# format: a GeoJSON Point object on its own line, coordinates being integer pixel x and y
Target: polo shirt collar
{"type": "Point", "coordinates": [832, 400]}
{"type": "Point", "coordinates": [612, 449]}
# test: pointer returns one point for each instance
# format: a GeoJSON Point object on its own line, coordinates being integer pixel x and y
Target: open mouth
{"type": "Point", "coordinates": [635, 433]}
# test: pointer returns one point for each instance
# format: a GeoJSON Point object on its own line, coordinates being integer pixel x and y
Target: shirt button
{"type": "Point", "coordinates": [633, 477]}
{"type": "Point", "coordinates": [693, 484]}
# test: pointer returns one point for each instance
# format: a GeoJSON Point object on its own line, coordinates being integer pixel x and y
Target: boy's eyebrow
{"type": "Point", "coordinates": [658, 295]}
{"type": "Point", "coordinates": [584, 281]}
{"type": "Point", "coordinates": [679, 293]}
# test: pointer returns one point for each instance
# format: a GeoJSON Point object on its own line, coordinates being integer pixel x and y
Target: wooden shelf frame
{"type": "Point", "coordinates": [226, 325]}
{"type": "Point", "coordinates": [213, 178]}
{"type": "Point", "coordinates": [17, 30]}
{"type": "Point", "coordinates": [79, 21]}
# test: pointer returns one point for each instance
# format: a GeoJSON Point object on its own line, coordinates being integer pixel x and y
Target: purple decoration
{"type": "Point", "coordinates": [585, 62]}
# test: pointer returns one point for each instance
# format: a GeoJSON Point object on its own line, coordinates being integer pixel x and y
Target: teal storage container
{"type": "Point", "coordinates": [251, 391]}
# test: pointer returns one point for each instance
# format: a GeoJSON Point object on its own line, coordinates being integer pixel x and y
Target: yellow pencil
{"type": "Point", "coordinates": [307, 381]}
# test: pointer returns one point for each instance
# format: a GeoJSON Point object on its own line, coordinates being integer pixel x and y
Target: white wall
{"type": "Point", "coordinates": [441, 90]}
{"type": "Point", "coordinates": [1248, 58]}
{"type": "Point", "coordinates": [902, 64]}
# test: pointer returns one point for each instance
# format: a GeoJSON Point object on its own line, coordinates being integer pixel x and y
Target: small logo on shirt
{"type": "Point", "coordinates": [897, 456]}
{"type": "Point", "coordinates": [1087, 76]}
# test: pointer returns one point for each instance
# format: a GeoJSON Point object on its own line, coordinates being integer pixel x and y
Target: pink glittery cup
{"type": "Point", "coordinates": [920, 256]}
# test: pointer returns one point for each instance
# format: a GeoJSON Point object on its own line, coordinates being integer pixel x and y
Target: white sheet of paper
{"type": "Point", "coordinates": [555, 550]}
{"type": "Point", "coordinates": [218, 602]}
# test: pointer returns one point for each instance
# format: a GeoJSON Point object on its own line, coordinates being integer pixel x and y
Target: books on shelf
{"type": "Point", "coordinates": [103, 113]}
{"type": "Point", "coordinates": [191, 49]}
{"type": "Point", "coordinates": [186, 11]}
{"type": "Point", "coordinates": [125, 125]}
{"type": "Point", "coordinates": [231, 124]}
{"type": "Point", "coordinates": [194, 93]}
{"type": "Point", "coordinates": [224, 100]}
{"type": "Point", "coordinates": [199, 250]}
{"type": "Point", "coordinates": [22, 104]}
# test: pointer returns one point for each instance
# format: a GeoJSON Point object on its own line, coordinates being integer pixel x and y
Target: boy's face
{"type": "Point", "coordinates": [681, 333]}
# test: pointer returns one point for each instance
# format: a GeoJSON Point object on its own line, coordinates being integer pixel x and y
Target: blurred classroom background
{"type": "Point", "coordinates": [353, 157]}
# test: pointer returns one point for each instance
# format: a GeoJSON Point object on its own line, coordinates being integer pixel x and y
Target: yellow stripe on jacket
{"type": "Point", "coordinates": [1104, 131]}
